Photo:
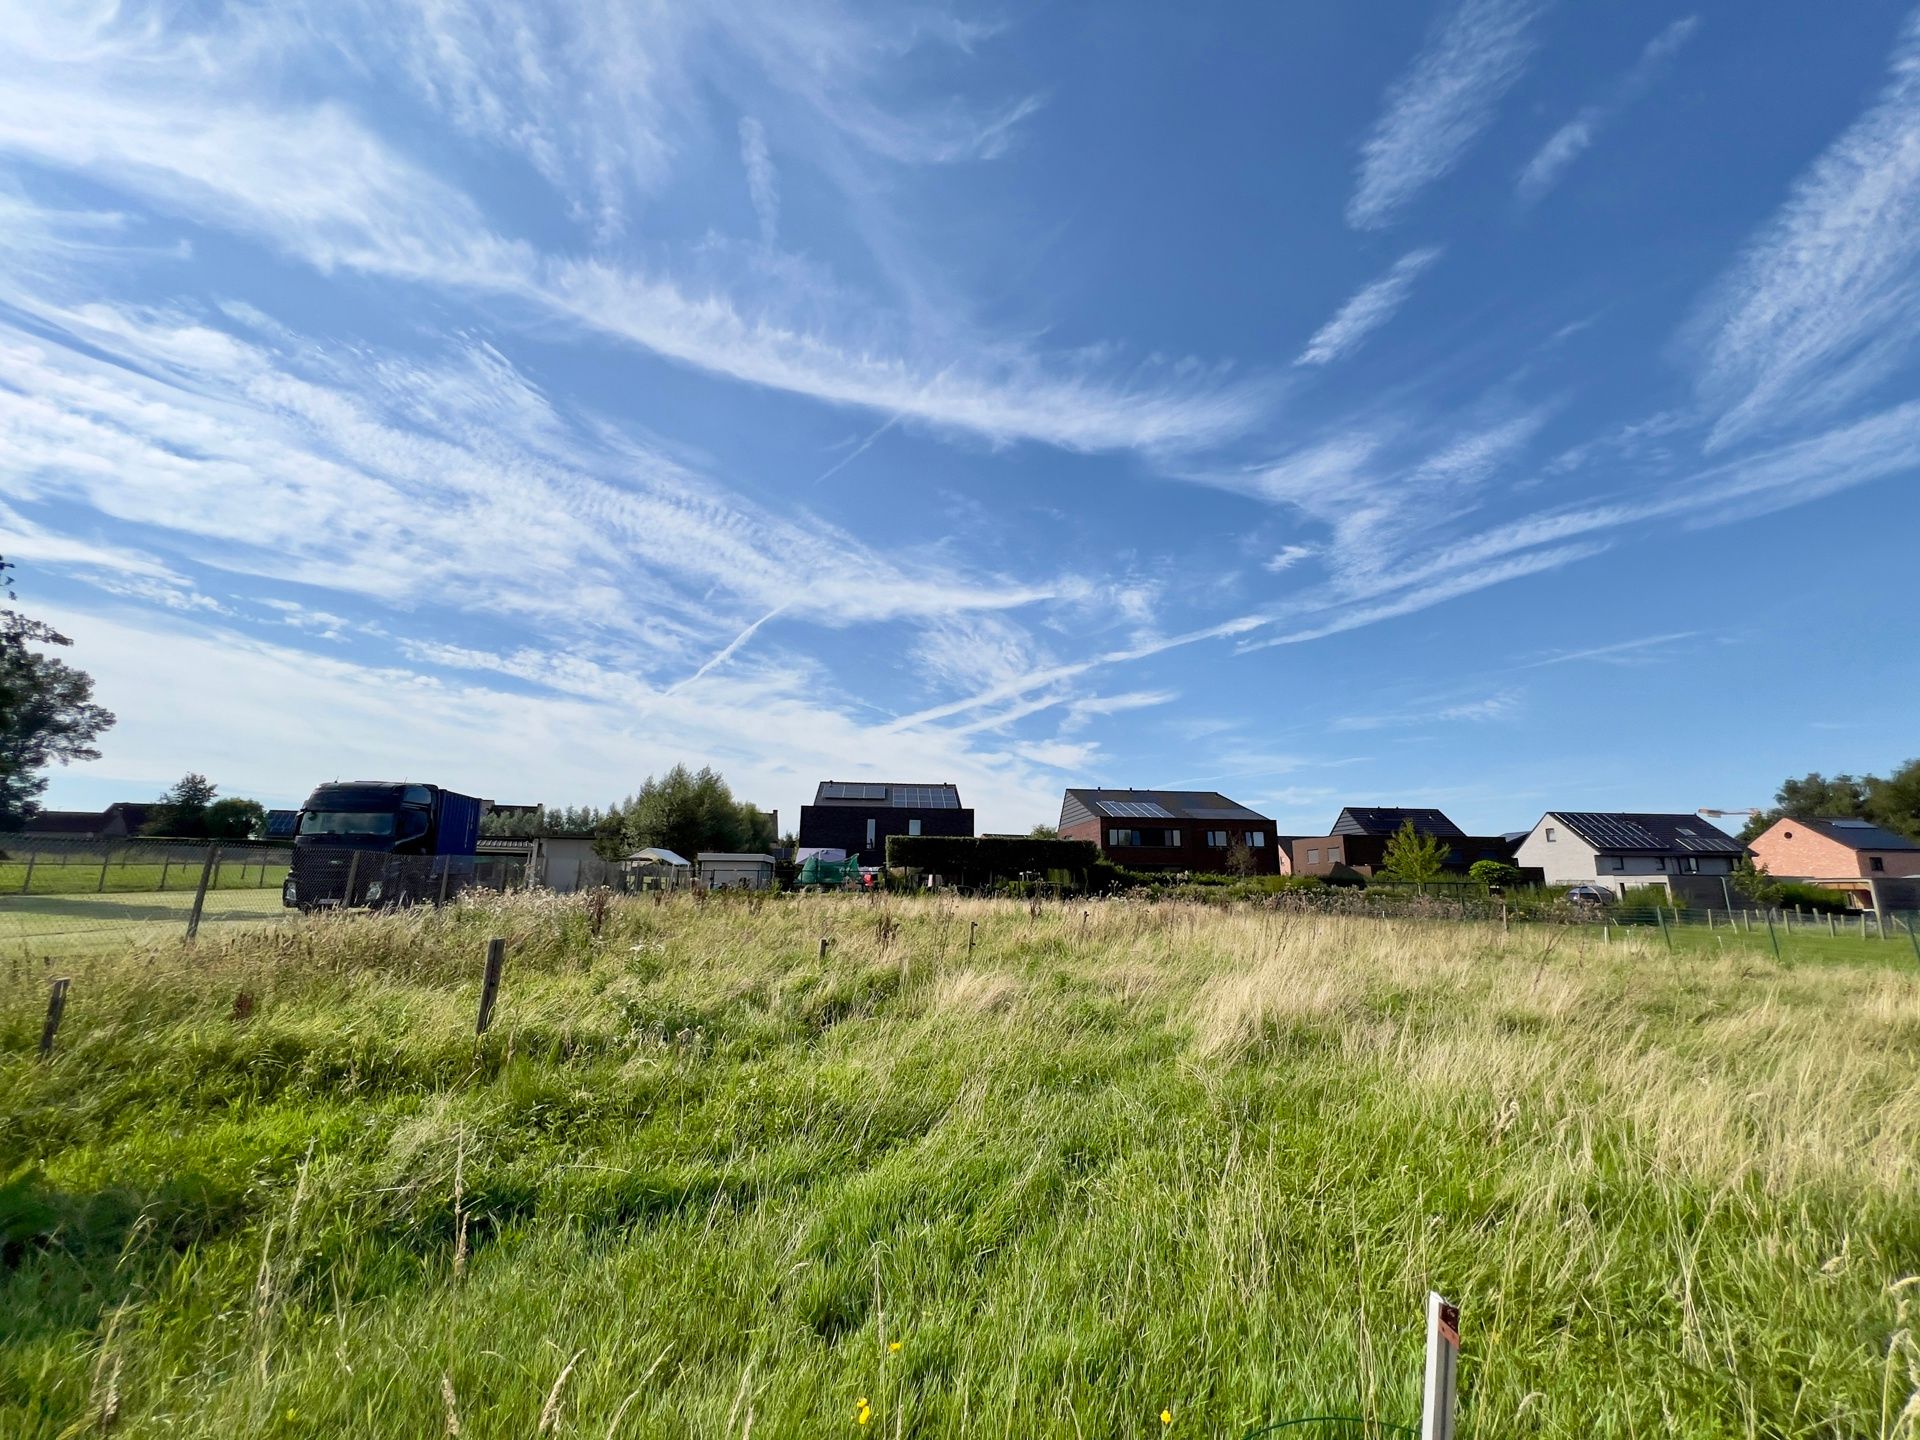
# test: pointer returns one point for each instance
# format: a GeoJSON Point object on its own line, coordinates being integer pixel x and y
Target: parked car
{"type": "Point", "coordinates": [1590, 895]}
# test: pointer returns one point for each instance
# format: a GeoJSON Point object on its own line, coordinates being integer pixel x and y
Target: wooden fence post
{"type": "Point", "coordinates": [200, 895]}
{"type": "Point", "coordinates": [56, 1008]}
{"type": "Point", "coordinates": [1443, 1360]}
{"type": "Point", "coordinates": [490, 987]}
{"type": "Point", "coordinates": [1772, 935]}
{"type": "Point", "coordinates": [972, 925]}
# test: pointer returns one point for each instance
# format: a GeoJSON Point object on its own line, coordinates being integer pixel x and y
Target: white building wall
{"type": "Point", "coordinates": [1566, 859]}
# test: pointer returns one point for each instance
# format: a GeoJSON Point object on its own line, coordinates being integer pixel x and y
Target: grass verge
{"type": "Point", "coordinates": [704, 1180]}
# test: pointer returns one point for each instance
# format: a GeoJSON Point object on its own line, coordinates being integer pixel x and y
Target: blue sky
{"type": "Point", "coordinates": [1497, 404]}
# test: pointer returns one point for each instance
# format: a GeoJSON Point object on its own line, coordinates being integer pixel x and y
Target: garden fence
{"type": "Point", "coordinates": [62, 897]}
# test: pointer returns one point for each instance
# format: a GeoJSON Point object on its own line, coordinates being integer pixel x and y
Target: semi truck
{"type": "Point", "coordinates": [382, 843]}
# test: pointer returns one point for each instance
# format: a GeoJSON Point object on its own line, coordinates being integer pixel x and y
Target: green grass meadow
{"type": "Point", "coordinates": [702, 1179]}
{"type": "Point", "coordinates": [84, 875]}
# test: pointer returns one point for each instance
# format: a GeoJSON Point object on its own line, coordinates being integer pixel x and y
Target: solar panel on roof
{"type": "Point", "coordinates": [1136, 810]}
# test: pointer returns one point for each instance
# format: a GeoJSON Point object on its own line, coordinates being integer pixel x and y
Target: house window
{"type": "Point", "coordinates": [1313, 857]}
{"type": "Point", "coordinates": [1689, 865]}
{"type": "Point", "coordinates": [1173, 839]}
{"type": "Point", "coordinates": [1551, 837]}
{"type": "Point", "coordinates": [1217, 839]}
{"type": "Point", "coordinates": [1616, 862]}
{"type": "Point", "coordinates": [1660, 863]}
{"type": "Point", "coordinates": [869, 834]}
{"type": "Point", "coordinates": [913, 827]}
{"type": "Point", "coordinates": [1875, 862]}
{"type": "Point", "coordinates": [1122, 837]}
{"type": "Point", "coordinates": [1333, 854]}
{"type": "Point", "coordinates": [1257, 839]}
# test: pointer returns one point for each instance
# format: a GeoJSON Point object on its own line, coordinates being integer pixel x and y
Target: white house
{"type": "Point", "coordinates": [1586, 847]}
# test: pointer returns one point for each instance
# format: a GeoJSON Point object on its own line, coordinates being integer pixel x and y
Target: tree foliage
{"type": "Point", "coordinates": [1889, 800]}
{"type": "Point", "coordinates": [188, 809]}
{"type": "Point", "coordinates": [182, 808]}
{"type": "Point", "coordinates": [1495, 872]}
{"type": "Point", "coordinates": [546, 820]}
{"type": "Point", "coordinates": [1413, 857]}
{"type": "Point", "coordinates": [236, 819]}
{"type": "Point", "coordinates": [47, 712]}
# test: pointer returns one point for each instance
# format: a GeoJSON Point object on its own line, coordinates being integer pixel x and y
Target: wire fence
{"type": "Point", "coordinates": [62, 897]}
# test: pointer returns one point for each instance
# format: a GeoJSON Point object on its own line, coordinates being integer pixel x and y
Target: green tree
{"type": "Point", "coordinates": [1494, 872]}
{"type": "Point", "coordinates": [1894, 801]}
{"type": "Point", "coordinates": [47, 714]}
{"type": "Point", "coordinates": [182, 808]}
{"type": "Point", "coordinates": [610, 837]}
{"type": "Point", "coordinates": [1044, 832]}
{"type": "Point", "coordinates": [1811, 797]}
{"type": "Point", "coordinates": [688, 811]}
{"type": "Point", "coordinates": [236, 819]}
{"type": "Point", "coordinates": [1413, 857]}
{"type": "Point", "coordinates": [1240, 857]}
{"type": "Point", "coordinates": [1755, 883]}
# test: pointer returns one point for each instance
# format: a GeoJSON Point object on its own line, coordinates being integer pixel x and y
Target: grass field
{"type": "Point", "coordinates": [703, 1180]}
{"type": "Point", "coordinates": [60, 927]}
{"type": "Point", "coordinates": [84, 876]}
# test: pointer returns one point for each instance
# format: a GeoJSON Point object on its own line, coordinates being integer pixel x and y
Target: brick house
{"type": "Point", "coordinates": [1198, 830]}
{"type": "Point", "coordinates": [858, 816]}
{"type": "Point", "coordinates": [1357, 842]}
{"type": "Point", "coordinates": [1619, 851]}
{"type": "Point", "coordinates": [1836, 851]}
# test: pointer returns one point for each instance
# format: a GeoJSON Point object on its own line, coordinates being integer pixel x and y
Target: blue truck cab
{"type": "Point", "coordinates": [382, 843]}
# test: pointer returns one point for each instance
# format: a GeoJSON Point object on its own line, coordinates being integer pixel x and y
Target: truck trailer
{"type": "Point", "coordinates": [382, 843]}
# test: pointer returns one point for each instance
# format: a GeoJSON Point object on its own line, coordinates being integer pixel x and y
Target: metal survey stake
{"type": "Point", "coordinates": [1443, 1359]}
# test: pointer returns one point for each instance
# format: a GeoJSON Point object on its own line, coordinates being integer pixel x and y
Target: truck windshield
{"type": "Point", "coordinates": [347, 822]}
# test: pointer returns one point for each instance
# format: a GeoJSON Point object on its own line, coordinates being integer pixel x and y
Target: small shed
{"type": "Point", "coordinates": [723, 871]}
{"type": "Point", "coordinates": [656, 868]}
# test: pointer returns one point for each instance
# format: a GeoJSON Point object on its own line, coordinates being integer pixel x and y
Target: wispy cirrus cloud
{"type": "Point", "coordinates": [1370, 307]}
{"type": "Point", "coordinates": [1641, 650]}
{"type": "Point", "coordinates": [1825, 304]}
{"type": "Point", "coordinates": [137, 108]}
{"type": "Point", "coordinates": [1573, 139]}
{"type": "Point", "coordinates": [763, 186]}
{"type": "Point", "coordinates": [1502, 705]}
{"type": "Point", "coordinates": [1441, 105]}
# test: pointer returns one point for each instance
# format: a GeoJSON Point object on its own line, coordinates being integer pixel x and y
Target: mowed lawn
{"type": "Point", "coordinates": [56, 927]}
{"type": "Point", "coordinates": [83, 876]}
{"type": "Point", "coordinates": [1109, 1162]}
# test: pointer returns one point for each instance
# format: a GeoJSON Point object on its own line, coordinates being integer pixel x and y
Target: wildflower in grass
{"type": "Point", "coordinates": [865, 1412]}
{"type": "Point", "coordinates": [893, 1346]}
{"type": "Point", "coordinates": [1166, 1417]}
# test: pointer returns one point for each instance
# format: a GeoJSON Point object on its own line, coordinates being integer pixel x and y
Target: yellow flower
{"type": "Point", "coordinates": [866, 1412]}
{"type": "Point", "coordinates": [892, 1345]}
{"type": "Point", "coordinates": [1166, 1417]}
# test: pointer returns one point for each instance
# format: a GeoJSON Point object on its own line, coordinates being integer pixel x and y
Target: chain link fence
{"type": "Point", "coordinates": [61, 897]}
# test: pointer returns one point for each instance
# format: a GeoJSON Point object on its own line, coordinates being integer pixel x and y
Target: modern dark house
{"type": "Point", "coordinates": [858, 816]}
{"type": "Point", "coordinates": [1358, 841]}
{"type": "Point", "coordinates": [1199, 830]}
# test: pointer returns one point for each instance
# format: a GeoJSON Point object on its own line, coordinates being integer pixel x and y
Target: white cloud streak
{"type": "Point", "coordinates": [1436, 111]}
{"type": "Point", "coordinates": [1825, 304]}
{"type": "Point", "coordinates": [763, 186]}
{"type": "Point", "coordinates": [1370, 308]}
{"type": "Point", "coordinates": [138, 109]}
{"type": "Point", "coordinates": [1572, 140]}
